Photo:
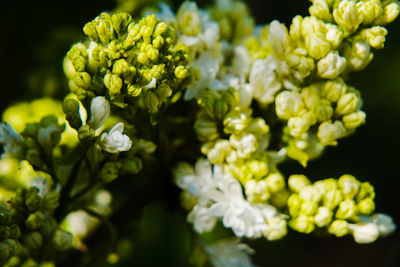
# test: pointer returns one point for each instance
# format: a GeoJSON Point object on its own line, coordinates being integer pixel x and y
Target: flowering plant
{"type": "Point", "coordinates": [203, 98]}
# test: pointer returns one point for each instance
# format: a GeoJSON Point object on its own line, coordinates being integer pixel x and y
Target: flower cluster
{"type": "Point", "coordinates": [152, 90]}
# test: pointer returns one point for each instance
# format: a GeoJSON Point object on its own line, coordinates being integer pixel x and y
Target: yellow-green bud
{"type": "Point", "coordinates": [303, 224]}
{"type": "Point", "coordinates": [347, 15]}
{"type": "Point", "coordinates": [206, 130]}
{"type": "Point", "coordinates": [320, 9]}
{"type": "Point", "coordinates": [7, 249]}
{"type": "Point", "coordinates": [366, 206]}
{"type": "Point", "coordinates": [332, 198]}
{"type": "Point", "coordinates": [323, 110]}
{"type": "Point", "coordinates": [329, 132]}
{"type": "Point", "coordinates": [375, 36]}
{"type": "Point", "coordinates": [294, 204]}
{"type": "Point", "coordinates": [35, 220]}
{"type": "Point", "coordinates": [181, 72]}
{"type": "Point", "coordinates": [349, 186]}
{"type": "Point", "coordinates": [120, 22]}
{"type": "Point", "coordinates": [15, 232]}
{"type": "Point", "coordinates": [50, 200]}
{"type": "Point", "coordinates": [331, 66]}
{"type": "Point", "coordinates": [347, 209]}
{"type": "Point", "coordinates": [188, 19]}
{"type": "Point", "coordinates": [86, 133]}
{"type": "Point", "coordinates": [257, 191]}
{"type": "Point", "coordinates": [366, 191]}
{"type": "Point", "coordinates": [113, 83]}
{"type": "Point", "coordinates": [32, 199]}
{"type": "Point", "coordinates": [298, 182]}
{"type": "Point", "coordinates": [308, 208]}
{"type": "Point", "coordinates": [333, 90]}
{"type": "Point", "coordinates": [109, 171]}
{"type": "Point", "coordinates": [371, 10]}
{"type": "Point", "coordinates": [354, 120]}
{"type": "Point", "coordinates": [390, 12]}
{"type": "Point", "coordinates": [132, 165]}
{"type": "Point", "coordinates": [151, 102]}
{"type": "Point", "coordinates": [82, 80]}
{"type": "Point", "coordinates": [275, 182]}
{"type": "Point", "coordinates": [348, 103]}
{"type": "Point", "coordinates": [277, 228]}
{"type": "Point", "coordinates": [310, 193]}
{"type": "Point", "coordinates": [339, 228]}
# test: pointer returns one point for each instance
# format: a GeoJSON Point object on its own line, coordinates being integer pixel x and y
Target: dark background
{"type": "Point", "coordinates": [371, 154]}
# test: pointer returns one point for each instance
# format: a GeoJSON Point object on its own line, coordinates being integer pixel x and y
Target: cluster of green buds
{"type": "Point", "coordinates": [9, 234]}
{"type": "Point", "coordinates": [338, 206]}
{"type": "Point", "coordinates": [29, 229]}
{"type": "Point", "coordinates": [127, 61]}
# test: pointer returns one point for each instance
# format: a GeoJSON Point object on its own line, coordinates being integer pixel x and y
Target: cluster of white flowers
{"type": "Point", "coordinates": [220, 196]}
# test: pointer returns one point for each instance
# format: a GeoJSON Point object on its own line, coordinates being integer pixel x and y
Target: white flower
{"type": "Point", "coordinates": [229, 253]}
{"type": "Point", "coordinates": [241, 60]}
{"type": "Point", "coordinates": [100, 110]}
{"type": "Point", "coordinates": [151, 84]}
{"type": "Point", "coordinates": [236, 212]}
{"type": "Point", "coordinates": [264, 80]}
{"type": "Point", "coordinates": [10, 139]}
{"type": "Point", "coordinates": [331, 66]}
{"type": "Point", "coordinates": [202, 219]}
{"type": "Point", "coordinates": [279, 39]}
{"type": "Point", "coordinates": [115, 141]}
{"type": "Point", "coordinates": [208, 65]}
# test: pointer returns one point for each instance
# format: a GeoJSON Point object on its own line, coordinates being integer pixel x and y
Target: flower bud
{"type": "Point", "coordinates": [100, 110]}
{"type": "Point", "coordinates": [181, 72]}
{"type": "Point", "coordinates": [294, 203]}
{"type": "Point", "coordinates": [277, 228]}
{"type": "Point", "coordinates": [371, 10]}
{"type": "Point", "coordinates": [33, 240]}
{"type": "Point", "coordinates": [366, 206]}
{"type": "Point", "coordinates": [71, 109]}
{"type": "Point", "coordinates": [110, 171]}
{"type": "Point", "coordinates": [331, 66]}
{"type": "Point", "coordinates": [332, 198]}
{"type": "Point", "coordinates": [390, 12]}
{"type": "Point", "coordinates": [303, 224]}
{"type": "Point", "coordinates": [384, 223]}
{"type": "Point", "coordinates": [339, 228]}
{"type": "Point", "coordinates": [113, 83]}
{"type": "Point", "coordinates": [298, 182]}
{"type": "Point", "coordinates": [347, 209]}
{"type": "Point", "coordinates": [7, 249]}
{"type": "Point", "coordinates": [86, 133]}
{"type": "Point", "coordinates": [288, 104]}
{"type": "Point", "coordinates": [347, 15]}
{"type": "Point", "coordinates": [132, 165]}
{"type": "Point", "coordinates": [206, 130]}
{"type": "Point", "coordinates": [375, 36]}
{"type": "Point", "coordinates": [151, 102]}
{"type": "Point", "coordinates": [35, 220]}
{"type": "Point", "coordinates": [309, 208]}
{"type": "Point", "coordinates": [189, 19]}
{"type": "Point", "coordinates": [320, 9]}
{"type": "Point", "coordinates": [323, 217]}
{"type": "Point", "coordinates": [364, 233]}
{"type": "Point", "coordinates": [358, 55]}
{"type": "Point", "coordinates": [333, 90]}
{"type": "Point", "coordinates": [275, 182]}
{"type": "Point", "coordinates": [349, 186]}
{"type": "Point", "coordinates": [354, 120]}
{"type": "Point", "coordinates": [329, 132]}
{"type": "Point", "coordinates": [32, 199]}
{"type": "Point", "coordinates": [62, 240]}
{"type": "Point", "coordinates": [310, 193]}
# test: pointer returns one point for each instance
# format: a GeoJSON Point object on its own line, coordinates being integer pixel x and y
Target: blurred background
{"type": "Point", "coordinates": [35, 35]}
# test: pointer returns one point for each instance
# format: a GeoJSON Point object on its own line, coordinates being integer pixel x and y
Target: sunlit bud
{"type": "Point", "coordinates": [332, 198]}
{"type": "Point", "coordinates": [390, 12]}
{"type": "Point", "coordinates": [277, 228]}
{"type": "Point", "coordinates": [294, 204]}
{"type": "Point", "coordinates": [329, 132]}
{"type": "Point", "coordinates": [349, 186]}
{"type": "Point", "coordinates": [113, 83]}
{"type": "Point", "coordinates": [371, 10]}
{"type": "Point", "coordinates": [334, 35]}
{"type": "Point", "coordinates": [317, 47]}
{"type": "Point", "coordinates": [323, 217]}
{"type": "Point", "coordinates": [366, 206]}
{"type": "Point", "coordinates": [288, 104]}
{"type": "Point", "coordinates": [333, 89]}
{"type": "Point", "coordinates": [354, 120]}
{"type": "Point", "coordinates": [310, 193]}
{"type": "Point", "coordinates": [189, 19]}
{"type": "Point", "coordinates": [331, 66]}
{"type": "Point", "coordinates": [206, 129]}
{"type": "Point", "coordinates": [323, 111]}
{"type": "Point", "coordinates": [275, 182]}
{"type": "Point", "coordinates": [375, 36]}
{"type": "Point", "coordinates": [364, 233]}
{"type": "Point", "coordinates": [320, 9]}
{"type": "Point", "coordinates": [181, 72]}
{"type": "Point", "coordinates": [366, 191]}
{"type": "Point", "coordinates": [309, 208]}
{"type": "Point", "coordinates": [347, 15]}
{"type": "Point", "coordinates": [151, 102]}
{"type": "Point", "coordinates": [298, 182]}
{"type": "Point", "coordinates": [303, 224]}
{"type": "Point", "coordinates": [358, 55]}
{"type": "Point", "coordinates": [347, 209]}
{"type": "Point", "coordinates": [339, 228]}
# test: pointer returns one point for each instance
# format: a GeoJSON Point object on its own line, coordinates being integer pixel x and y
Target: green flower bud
{"type": "Point", "coordinates": [49, 226]}
{"type": "Point", "coordinates": [145, 146]}
{"type": "Point", "coordinates": [303, 224]}
{"type": "Point", "coordinates": [275, 182]}
{"type": "Point", "coordinates": [310, 193]}
{"type": "Point", "coordinates": [33, 240]}
{"type": "Point", "coordinates": [35, 220]}
{"type": "Point", "coordinates": [347, 209]}
{"type": "Point", "coordinates": [347, 15]}
{"type": "Point", "coordinates": [32, 199]}
{"type": "Point", "coordinates": [366, 206]}
{"type": "Point", "coordinates": [288, 104]}
{"type": "Point", "coordinates": [339, 228]}
{"type": "Point", "coordinates": [371, 10]}
{"type": "Point", "coordinates": [113, 83]}
{"type": "Point", "coordinates": [189, 19]}
{"type": "Point", "coordinates": [86, 133]}
{"type": "Point", "coordinates": [294, 204]}
{"type": "Point", "coordinates": [332, 198]}
{"type": "Point", "coordinates": [323, 217]}
{"type": "Point", "coordinates": [4, 232]}
{"type": "Point", "coordinates": [181, 72]}
{"type": "Point", "coordinates": [221, 108]}
{"type": "Point", "coordinates": [329, 132]}
{"type": "Point", "coordinates": [354, 120]}
{"type": "Point", "coordinates": [109, 171]}
{"type": "Point", "coordinates": [50, 201]}
{"type": "Point", "coordinates": [62, 240]}
{"type": "Point", "coordinates": [331, 66]}
{"type": "Point", "coordinates": [320, 9]}
{"type": "Point", "coordinates": [333, 90]}
{"type": "Point", "coordinates": [120, 22]}
{"type": "Point", "coordinates": [298, 182]}
{"type": "Point", "coordinates": [71, 109]}
{"type": "Point", "coordinates": [132, 165]}
{"type": "Point", "coordinates": [15, 232]}
{"type": "Point", "coordinates": [151, 102]}
{"type": "Point", "coordinates": [277, 228]}
{"type": "Point", "coordinates": [375, 36]}
{"type": "Point", "coordinates": [235, 122]}
{"type": "Point", "coordinates": [366, 191]}
{"type": "Point", "coordinates": [323, 110]}
{"type": "Point", "coordinates": [82, 80]}
{"type": "Point", "coordinates": [309, 208]}
{"type": "Point", "coordinates": [7, 249]}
